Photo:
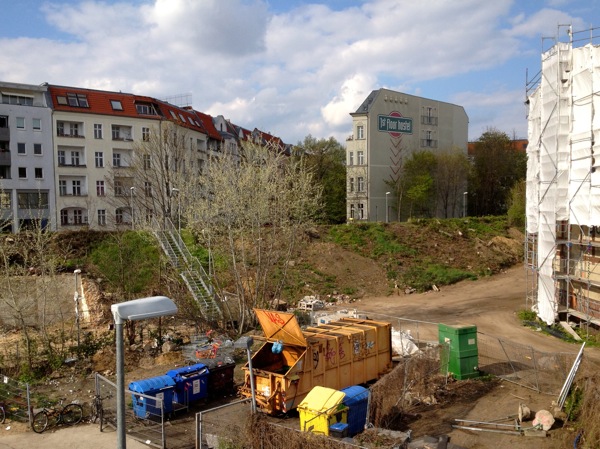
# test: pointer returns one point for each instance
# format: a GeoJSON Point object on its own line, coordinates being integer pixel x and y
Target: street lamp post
{"type": "Point", "coordinates": [246, 343]}
{"type": "Point", "coordinates": [76, 299]}
{"type": "Point", "coordinates": [131, 190]}
{"type": "Point", "coordinates": [176, 191]}
{"type": "Point", "coordinates": [465, 203]}
{"type": "Point", "coordinates": [387, 213]}
{"type": "Point", "coordinates": [137, 309]}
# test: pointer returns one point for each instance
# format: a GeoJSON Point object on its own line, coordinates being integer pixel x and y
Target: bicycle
{"type": "Point", "coordinates": [97, 411]}
{"type": "Point", "coordinates": [2, 414]}
{"type": "Point", "coordinates": [70, 415]}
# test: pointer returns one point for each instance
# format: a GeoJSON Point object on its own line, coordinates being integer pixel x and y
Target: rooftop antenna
{"type": "Point", "coordinates": [179, 100]}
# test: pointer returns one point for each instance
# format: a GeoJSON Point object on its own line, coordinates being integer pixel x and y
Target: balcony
{"type": "Point", "coordinates": [5, 134]}
{"type": "Point", "coordinates": [5, 158]}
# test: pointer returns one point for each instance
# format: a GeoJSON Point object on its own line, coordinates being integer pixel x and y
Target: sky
{"type": "Point", "coordinates": [296, 67]}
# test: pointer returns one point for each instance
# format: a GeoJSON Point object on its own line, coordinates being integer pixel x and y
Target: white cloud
{"type": "Point", "coordinates": [294, 72]}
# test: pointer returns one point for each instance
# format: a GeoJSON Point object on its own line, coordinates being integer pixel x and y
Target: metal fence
{"type": "Point", "coordinates": [543, 372]}
{"type": "Point", "coordinates": [15, 398]}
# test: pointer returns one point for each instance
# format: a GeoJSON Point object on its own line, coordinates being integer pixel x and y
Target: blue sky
{"type": "Point", "coordinates": [294, 68]}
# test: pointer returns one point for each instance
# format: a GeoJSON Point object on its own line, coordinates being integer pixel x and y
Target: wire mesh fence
{"type": "Point", "coordinates": [15, 398]}
{"type": "Point", "coordinates": [543, 372]}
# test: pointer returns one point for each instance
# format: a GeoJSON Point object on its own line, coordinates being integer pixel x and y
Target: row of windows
{"type": "Point", "coordinates": [360, 184]}
{"type": "Point", "coordinates": [78, 100]}
{"type": "Point", "coordinates": [360, 158]}
{"type": "Point", "coordinates": [25, 200]}
{"type": "Point", "coordinates": [20, 123]}
{"type": "Point", "coordinates": [22, 100]}
{"type": "Point", "coordinates": [357, 211]}
{"type": "Point", "coordinates": [22, 148]}
{"type": "Point", "coordinates": [122, 215]}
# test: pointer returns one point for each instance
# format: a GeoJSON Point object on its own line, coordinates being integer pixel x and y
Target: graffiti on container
{"type": "Point", "coordinates": [356, 344]}
{"type": "Point", "coordinates": [370, 345]}
{"type": "Point", "coordinates": [315, 358]}
{"type": "Point", "coordinates": [275, 318]}
{"type": "Point", "coordinates": [342, 353]}
{"type": "Point", "coordinates": [330, 354]}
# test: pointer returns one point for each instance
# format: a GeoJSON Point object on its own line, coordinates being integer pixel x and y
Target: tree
{"type": "Point", "coordinates": [326, 159]}
{"type": "Point", "coordinates": [451, 180]}
{"type": "Point", "coordinates": [418, 183]}
{"type": "Point", "coordinates": [497, 167]}
{"type": "Point", "coordinates": [516, 204]}
{"type": "Point", "coordinates": [256, 209]}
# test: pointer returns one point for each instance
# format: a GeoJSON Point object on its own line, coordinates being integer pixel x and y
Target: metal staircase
{"type": "Point", "coordinates": [189, 268]}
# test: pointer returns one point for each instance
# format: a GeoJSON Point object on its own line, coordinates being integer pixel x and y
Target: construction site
{"type": "Point", "coordinates": [563, 183]}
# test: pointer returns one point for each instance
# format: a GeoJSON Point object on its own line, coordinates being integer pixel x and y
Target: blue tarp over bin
{"type": "Point", "coordinates": [161, 387]}
{"type": "Point", "coordinates": [357, 401]}
{"type": "Point", "coordinates": [191, 383]}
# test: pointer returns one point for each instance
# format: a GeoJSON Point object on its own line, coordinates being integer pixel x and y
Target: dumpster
{"type": "Point", "coordinates": [190, 383]}
{"type": "Point", "coordinates": [321, 408]}
{"type": "Point", "coordinates": [463, 358]}
{"type": "Point", "coordinates": [357, 400]}
{"type": "Point", "coordinates": [161, 387]}
{"type": "Point", "coordinates": [340, 354]}
{"type": "Point", "coordinates": [220, 378]}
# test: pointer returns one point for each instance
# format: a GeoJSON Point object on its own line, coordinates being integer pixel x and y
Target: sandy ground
{"type": "Point", "coordinates": [491, 304]}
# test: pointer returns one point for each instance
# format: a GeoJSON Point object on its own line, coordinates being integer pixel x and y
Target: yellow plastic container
{"type": "Point", "coordinates": [321, 408]}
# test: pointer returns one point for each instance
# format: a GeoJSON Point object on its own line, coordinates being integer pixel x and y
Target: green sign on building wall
{"type": "Point", "coordinates": [394, 124]}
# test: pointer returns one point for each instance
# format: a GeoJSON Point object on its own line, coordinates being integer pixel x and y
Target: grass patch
{"type": "Point", "coordinates": [423, 279]}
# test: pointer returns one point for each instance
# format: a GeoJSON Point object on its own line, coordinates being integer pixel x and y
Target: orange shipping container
{"type": "Point", "coordinates": [336, 355]}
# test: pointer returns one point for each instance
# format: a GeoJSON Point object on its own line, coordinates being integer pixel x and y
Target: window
{"type": "Point", "coordinates": [3, 121]}
{"type": "Point", "coordinates": [121, 132]}
{"type": "Point", "coordinates": [102, 217]}
{"type": "Point", "coordinates": [64, 217]}
{"type": "Point", "coordinates": [77, 216]}
{"type": "Point", "coordinates": [22, 100]}
{"type": "Point", "coordinates": [145, 134]}
{"type": "Point", "coordinates": [119, 216]}
{"type": "Point", "coordinates": [22, 172]}
{"type": "Point", "coordinates": [352, 184]}
{"type": "Point", "coordinates": [360, 132]}
{"type": "Point", "coordinates": [39, 173]}
{"type": "Point", "coordinates": [75, 158]}
{"type": "Point", "coordinates": [76, 100]}
{"type": "Point", "coordinates": [21, 148]}
{"type": "Point", "coordinates": [99, 158]}
{"type": "Point", "coordinates": [61, 157]}
{"type": "Point", "coordinates": [20, 122]}
{"type": "Point", "coordinates": [5, 200]}
{"type": "Point", "coordinates": [60, 128]}
{"type": "Point", "coordinates": [37, 149]}
{"type": "Point", "coordinates": [67, 129]}
{"type": "Point", "coordinates": [116, 105]}
{"type": "Point", "coordinates": [361, 211]}
{"type": "Point", "coordinates": [352, 211]}
{"type": "Point", "coordinates": [361, 184]}
{"type": "Point", "coordinates": [61, 99]}
{"type": "Point", "coordinates": [116, 159]}
{"type": "Point", "coordinates": [37, 124]}
{"type": "Point", "coordinates": [100, 188]}
{"type": "Point", "coordinates": [145, 109]}
{"type": "Point", "coordinates": [148, 188]}
{"type": "Point", "coordinates": [147, 164]}
{"type": "Point", "coordinates": [119, 190]}
{"type": "Point", "coordinates": [62, 187]}
{"type": "Point", "coordinates": [32, 200]}
{"type": "Point", "coordinates": [97, 131]}
{"type": "Point", "coordinates": [351, 158]}
{"type": "Point", "coordinates": [360, 156]}
{"type": "Point", "coordinates": [76, 185]}
{"type": "Point", "coordinates": [74, 130]}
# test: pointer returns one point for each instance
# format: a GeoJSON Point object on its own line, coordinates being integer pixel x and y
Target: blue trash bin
{"type": "Point", "coordinates": [161, 387]}
{"type": "Point", "coordinates": [357, 401]}
{"type": "Point", "coordinates": [191, 383]}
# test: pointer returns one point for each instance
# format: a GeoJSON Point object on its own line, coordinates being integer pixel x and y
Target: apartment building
{"type": "Point", "coordinates": [26, 158]}
{"type": "Point", "coordinates": [96, 134]}
{"type": "Point", "coordinates": [386, 128]}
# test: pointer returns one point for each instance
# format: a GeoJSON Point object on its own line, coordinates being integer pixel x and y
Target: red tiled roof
{"type": "Point", "coordinates": [99, 102]}
{"type": "Point", "coordinates": [208, 124]}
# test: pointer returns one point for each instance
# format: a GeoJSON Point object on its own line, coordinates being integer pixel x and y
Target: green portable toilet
{"type": "Point", "coordinates": [463, 356]}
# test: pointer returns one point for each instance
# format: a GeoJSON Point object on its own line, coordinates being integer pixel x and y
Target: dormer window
{"type": "Point", "coordinates": [145, 109]}
{"type": "Point", "coordinates": [116, 105]}
{"type": "Point", "coordinates": [73, 99]}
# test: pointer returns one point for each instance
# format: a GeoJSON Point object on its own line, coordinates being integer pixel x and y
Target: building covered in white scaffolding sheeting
{"type": "Point", "coordinates": [563, 183]}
